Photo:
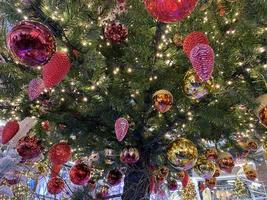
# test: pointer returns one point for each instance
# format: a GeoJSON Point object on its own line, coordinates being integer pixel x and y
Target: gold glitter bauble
{"type": "Point", "coordinates": [250, 172]}
{"type": "Point", "coordinates": [204, 167]}
{"type": "Point", "coordinates": [226, 162]}
{"type": "Point", "coordinates": [182, 154]}
{"type": "Point", "coordinates": [211, 183]}
{"type": "Point", "coordinates": [261, 111]}
{"type": "Point", "coordinates": [162, 100]}
{"type": "Point", "coordinates": [193, 87]}
{"type": "Point", "coordinates": [211, 154]}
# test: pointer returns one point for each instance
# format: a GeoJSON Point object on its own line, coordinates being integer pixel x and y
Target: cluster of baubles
{"type": "Point", "coordinates": [32, 44]}
{"type": "Point", "coordinates": [183, 155]}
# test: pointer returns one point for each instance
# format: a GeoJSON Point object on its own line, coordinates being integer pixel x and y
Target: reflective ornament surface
{"type": "Point", "coordinates": [211, 154]}
{"type": "Point", "coordinates": [79, 174]}
{"type": "Point", "coordinates": [114, 177]}
{"type": "Point", "coordinates": [250, 172]}
{"type": "Point", "coordinates": [193, 87]}
{"type": "Point", "coordinates": [204, 167]}
{"type": "Point", "coordinates": [170, 10]}
{"type": "Point", "coordinates": [252, 145]}
{"type": "Point", "coordinates": [226, 162]}
{"type": "Point", "coordinates": [129, 155]}
{"type": "Point", "coordinates": [55, 185]}
{"type": "Point", "coordinates": [31, 43]}
{"type": "Point", "coordinates": [59, 153]}
{"type": "Point", "coordinates": [29, 147]}
{"type": "Point", "coordinates": [182, 154]}
{"type": "Point", "coordinates": [162, 100]}
{"type": "Point", "coordinates": [211, 183]}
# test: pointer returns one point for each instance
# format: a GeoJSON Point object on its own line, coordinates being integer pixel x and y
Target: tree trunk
{"type": "Point", "coordinates": [136, 183]}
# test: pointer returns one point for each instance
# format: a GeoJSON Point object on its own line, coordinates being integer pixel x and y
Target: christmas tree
{"type": "Point", "coordinates": [79, 67]}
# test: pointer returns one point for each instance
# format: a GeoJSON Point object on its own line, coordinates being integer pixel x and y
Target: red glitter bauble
{"type": "Point", "coordinates": [10, 130]}
{"type": "Point", "coordinates": [172, 185]}
{"type": "Point", "coordinates": [170, 10]}
{"type": "Point", "coordinates": [59, 153]}
{"type": "Point", "coordinates": [115, 32]}
{"type": "Point", "coordinates": [55, 185]}
{"type": "Point", "coordinates": [114, 177]}
{"type": "Point", "coordinates": [129, 155]}
{"type": "Point", "coordinates": [202, 59]}
{"type": "Point", "coordinates": [79, 174]}
{"type": "Point", "coordinates": [31, 43]}
{"type": "Point", "coordinates": [29, 147]}
{"type": "Point", "coordinates": [56, 69]}
{"type": "Point", "coordinates": [192, 40]}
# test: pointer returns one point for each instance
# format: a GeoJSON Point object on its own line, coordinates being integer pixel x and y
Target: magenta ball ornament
{"type": "Point", "coordinates": [170, 10]}
{"type": "Point", "coordinates": [31, 43]}
{"type": "Point", "coordinates": [202, 59]}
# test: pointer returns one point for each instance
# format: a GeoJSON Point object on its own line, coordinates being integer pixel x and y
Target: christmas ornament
{"type": "Point", "coordinates": [55, 170]}
{"type": "Point", "coordinates": [261, 111]}
{"type": "Point", "coordinates": [79, 174]}
{"type": "Point", "coordinates": [226, 162]}
{"type": "Point", "coordinates": [211, 183]}
{"type": "Point", "coordinates": [114, 177]}
{"type": "Point", "coordinates": [170, 10]}
{"type": "Point", "coordinates": [129, 155]}
{"type": "Point", "coordinates": [29, 147]}
{"type": "Point", "coordinates": [31, 43]}
{"type": "Point", "coordinates": [35, 88]}
{"type": "Point", "coordinates": [211, 154]}
{"type": "Point", "coordinates": [56, 69]}
{"type": "Point", "coordinates": [115, 32]}
{"type": "Point", "coordinates": [9, 131]}
{"type": "Point", "coordinates": [250, 172]}
{"type": "Point", "coordinates": [252, 145]}
{"type": "Point", "coordinates": [59, 153]}
{"type": "Point", "coordinates": [45, 125]}
{"type": "Point", "coordinates": [193, 39]}
{"type": "Point", "coordinates": [202, 59]}
{"type": "Point", "coordinates": [102, 191]}
{"type": "Point", "coordinates": [162, 173]}
{"type": "Point", "coordinates": [193, 87]}
{"type": "Point", "coordinates": [91, 184]}
{"type": "Point", "coordinates": [217, 172]}
{"type": "Point", "coordinates": [172, 185]}
{"type": "Point", "coordinates": [163, 100]}
{"type": "Point", "coordinates": [109, 156]}
{"type": "Point", "coordinates": [24, 127]}
{"type": "Point", "coordinates": [55, 185]}
{"type": "Point", "coordinates": [204, 167]}
{"type": "Point", "coordinates": [121, 128]}
{"type": "Point", "coordinates": [177, 39]}
{"type": "Point", "coordinates": [182, 154]}
{"type": "Point", "coordinates": [189, 192]}
{"type": "Point", "coordinates": [183, 177]}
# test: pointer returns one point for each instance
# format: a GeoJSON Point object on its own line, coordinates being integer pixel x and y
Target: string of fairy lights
{"type": "Point", "coordinates": [166, 41]}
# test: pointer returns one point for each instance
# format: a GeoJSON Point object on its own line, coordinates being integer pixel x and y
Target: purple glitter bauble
{"type": "Point", "coordinates": [31, 43]}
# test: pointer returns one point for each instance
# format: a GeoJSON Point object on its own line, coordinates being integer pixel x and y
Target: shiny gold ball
{"type": "Point", "coordinates": [250, 172]}
{"type": "Point", "coordinates": [252, 145]}
{"type": "Point", "coordinates": [162, 100]}
{"type": "Point", "coordinates": [211, 154]}
{"type": "Point", "coordinates": [204, 167]}
{"type": "Point", "coordinates": [193, 87]}
{"type": "Point", "coordinates": [226, 162]}
{"type": "Point", "coordinates": [178, 39]}
{"type": "Point", "coordinates": [182, 154]}
{"type": "Point", "coordinates": [211, 183]}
